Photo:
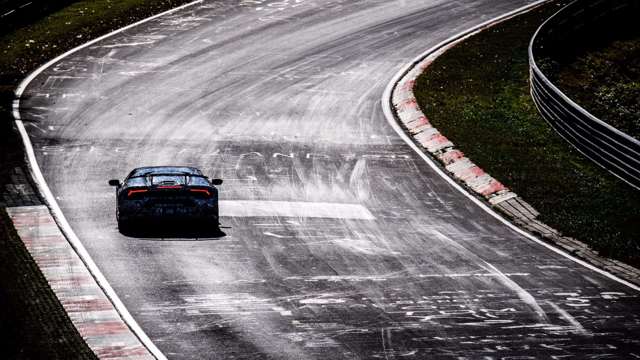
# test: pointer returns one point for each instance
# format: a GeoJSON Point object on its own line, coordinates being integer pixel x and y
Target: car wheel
{"type": "Point", "coordinates": [124, 225]}
{"type": "Point", "coordinates": [215, 222]}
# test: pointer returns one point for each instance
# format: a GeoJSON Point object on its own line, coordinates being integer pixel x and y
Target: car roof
{"type": "Point", "coordinates": [165, 170]}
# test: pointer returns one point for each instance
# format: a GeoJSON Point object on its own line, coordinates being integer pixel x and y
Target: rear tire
{"type": "Point", "coordinates": [124, 226]}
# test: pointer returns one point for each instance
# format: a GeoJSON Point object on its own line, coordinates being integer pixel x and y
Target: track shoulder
{"type": "Point", "coordinates": [405, 116]}
{"type": "Point", "coordinates": [88, 307]}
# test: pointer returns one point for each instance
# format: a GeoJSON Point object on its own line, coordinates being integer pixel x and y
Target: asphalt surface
{"type": "Point", "coordinates": [341, 243]}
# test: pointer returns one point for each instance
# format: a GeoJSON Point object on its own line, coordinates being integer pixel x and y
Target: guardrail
{"type": "Point", "coordinates": [605, 145]}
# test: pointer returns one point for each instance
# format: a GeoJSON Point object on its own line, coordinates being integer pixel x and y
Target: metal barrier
{"type": "Point", "coordinates": [605, 145]}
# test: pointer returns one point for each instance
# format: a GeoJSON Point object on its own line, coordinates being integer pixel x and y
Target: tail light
{"type": "Point", "coordinates": [202, 192]}
{"type": "Point", "coordinates": [134, 192]}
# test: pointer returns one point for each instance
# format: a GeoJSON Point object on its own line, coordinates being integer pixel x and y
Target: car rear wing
{"type": "Point", "coordinates": [186, 176]}
{"type": "Point", "coordinates": [168, 174]}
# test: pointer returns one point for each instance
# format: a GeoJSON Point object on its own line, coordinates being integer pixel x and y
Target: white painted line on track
{"type": "Point", "coordinates": [388, 112]}
{"type": "Point", "coordinates": [259, 208]}
{"type": "Point", "coordinates": [53, 204]}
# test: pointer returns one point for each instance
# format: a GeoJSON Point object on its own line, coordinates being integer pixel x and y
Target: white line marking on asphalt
{"type": "Point", "coordinates": [523, 294]}
{"type": "Point", "coordinates": [268, 233]}
{"type": "Point", "coordinates": [55, 208]}
{"type": "Point", "coordinates": [260, 208]}
{"type": "Point", "coordinates": [127, 44]}
{"type": "Point", "coordinates": [570, 319]}
{"type": "Point", "coordinates": [385, 277]}
{"type": "Point", "coordinates": [386, 108]}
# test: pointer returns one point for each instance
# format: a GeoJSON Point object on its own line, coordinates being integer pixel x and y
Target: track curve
{"type": "Point", "coordinates": [367, 252]}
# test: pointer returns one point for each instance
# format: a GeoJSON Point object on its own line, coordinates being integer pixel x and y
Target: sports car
{"type": "Point", "coordinates": [165, 193]}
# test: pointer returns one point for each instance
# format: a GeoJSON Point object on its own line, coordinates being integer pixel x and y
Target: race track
{"type": "Point", "coordinates": [341, 243]}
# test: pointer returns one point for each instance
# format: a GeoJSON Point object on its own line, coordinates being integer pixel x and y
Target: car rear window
{"type": "Point", "coordinates": [168, 180]}
{"type": "Point", "coordinates": [198, 181]}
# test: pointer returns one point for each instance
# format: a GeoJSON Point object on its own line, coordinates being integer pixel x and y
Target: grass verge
{"type": "Point", "coordinates": [477, 95]}
{"type": "Point", "coordinates": [26, 47]}
{"type": "Point", "coordinates": [606, 82]}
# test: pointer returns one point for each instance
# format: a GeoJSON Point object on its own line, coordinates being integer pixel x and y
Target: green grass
{"type": "Point", "coordinates": [606, 82]}
{"type": "Point", "coordinates": [477, 95]}
{"type": "Point", "coordinates": [25, 48]}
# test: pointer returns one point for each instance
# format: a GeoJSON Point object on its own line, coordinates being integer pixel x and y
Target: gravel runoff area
{"type": "Point", "coordinates": [33, 323]}
{"type": "Point", "coordinates": [477, 95]}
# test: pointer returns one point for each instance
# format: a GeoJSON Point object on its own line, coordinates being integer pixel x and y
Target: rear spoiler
{"type": "Point", "coordinates": [167, 174]}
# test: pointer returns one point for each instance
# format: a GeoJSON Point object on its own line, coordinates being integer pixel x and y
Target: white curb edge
{"type": "Point", "coordinates": [62, 222]}
{"type": "Point", "coordinates": [386, 103]}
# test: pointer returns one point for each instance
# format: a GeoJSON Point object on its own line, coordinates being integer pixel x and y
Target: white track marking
{"type": "Point", "coordinates": [522, 294]}
{"type": "Point", "coordinates": [268, 233]}
{"type": "Point", "coordinates": [259, 208]}
{"type": "Point", "coordinates": [570, 319]}
{"type": "Point", "coordinates": [388, 112]}
{"type": "Point", "coordinates": [36, 173]}
{"type": "Point", "coordinates": [127, 44]}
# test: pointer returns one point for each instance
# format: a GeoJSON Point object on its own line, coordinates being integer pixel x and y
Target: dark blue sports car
{"type": "Point", "coordinates": [166, 192]}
